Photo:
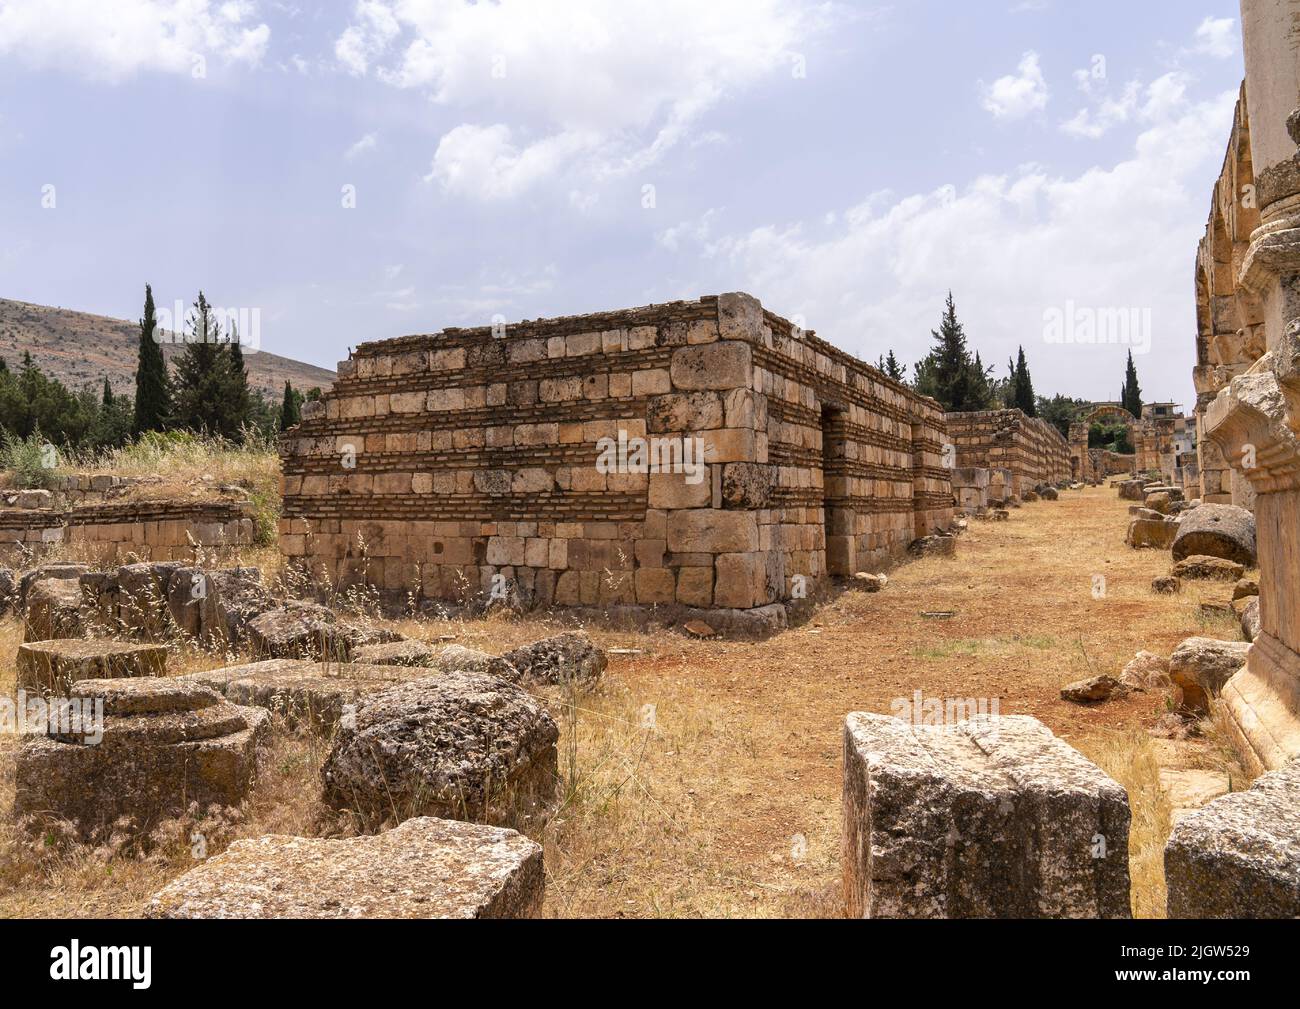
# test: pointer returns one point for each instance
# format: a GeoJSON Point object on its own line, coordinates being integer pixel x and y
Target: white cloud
{"type": "Point", "coordinates": [366, 143]}
{"type": "Point", "coordinates": [1011, 247]}
{"type": "Point", "coordinates": [113, 41]}
{"type": "Point", "coordinates": [598, 87]}
{"type": "Point", "coordinates": [1017, 95]}
{"type": "Point", "coordinates": [1216, 37]}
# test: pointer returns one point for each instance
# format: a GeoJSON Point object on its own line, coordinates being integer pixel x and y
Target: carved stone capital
{"type": "Point", "coordinates": [1254, 422]}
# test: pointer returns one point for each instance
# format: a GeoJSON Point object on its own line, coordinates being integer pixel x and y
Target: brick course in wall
{"type": "Point", "coordinates": [447, 464]}
{"type": "Point", "coordinates": [1031, 449]}
{"type": "Point", "coordinates": [152, 530]}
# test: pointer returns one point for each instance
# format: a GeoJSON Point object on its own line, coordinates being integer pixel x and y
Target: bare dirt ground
{"type": "Point", "coordinates": [702, 778]}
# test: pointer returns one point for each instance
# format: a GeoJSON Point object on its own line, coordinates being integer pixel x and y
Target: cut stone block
{"type": "Point", "coordinates": [1217, 530]}
{"type": "Point", "coordinates": [1201, 666]}
{"type": "Point", "coordinates": [987, 818]}
{"type": "Point", "coordinates": [1155, 533]}
{"type": "Point", "coordinates": [306, 696]}
{"type": "Point", "coordinates": [559, 659]}
{"type": "Point", "coordinates": [461, 745]}
{"type": "Point", "coordinates": [1239, 856]}
{"type": "Point", "coordinates": [165, 744]}
{"type": "Point", "coordinates": [53, 610]}
{"type": "Point", "coordinates": [423, 868]}
{"type": "Point", "coordinates": [53, 666]}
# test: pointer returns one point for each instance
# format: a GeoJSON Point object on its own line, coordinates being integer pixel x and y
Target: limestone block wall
{"type": "Point", "coordinates": [1030, 448]}
{"type": "Point", "coordinates": [149, 530]}
{"type": "Point", "coordinates": [470, 460]}
{"type": "Point", "coordinates": [971, 488]}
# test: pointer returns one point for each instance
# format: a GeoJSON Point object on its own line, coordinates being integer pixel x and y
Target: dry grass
{"type": "Point", "coordinates": [702, 778]}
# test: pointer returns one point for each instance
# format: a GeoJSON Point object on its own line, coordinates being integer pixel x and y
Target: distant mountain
{"type": "Point", "coordinates": [78, 349]}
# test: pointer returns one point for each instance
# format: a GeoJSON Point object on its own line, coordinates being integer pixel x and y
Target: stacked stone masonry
{"type": "Point", "coordinates": [1031, 449]}
{"type": "Point", "coordinates": [153, 530]}
{"type": "Point", "coordinates": [442, 464]}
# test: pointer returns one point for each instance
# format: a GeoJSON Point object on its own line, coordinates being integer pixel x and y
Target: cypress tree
{"type": "Point", "coordinates": [152, 388]}
{"type": "Point", "coordinates": [107, 398]}
{"type": "Point", "coordinates": [290, 414]}
{"type": "Point", "coordinates": [1024, 388]}
{"type": "Point", "coordinates": [1131, 397]}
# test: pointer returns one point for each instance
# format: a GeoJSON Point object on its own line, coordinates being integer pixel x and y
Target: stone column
{"type": "Point", "coordinates": [1255, 421]}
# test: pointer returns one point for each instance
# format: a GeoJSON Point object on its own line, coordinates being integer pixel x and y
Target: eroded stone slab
{"type": "Point", "coordinates": [1239, 856]}
{"type": "Point", "coordinates": [988, 818]}
{"type": "Point", "coordinates": [423, 868]}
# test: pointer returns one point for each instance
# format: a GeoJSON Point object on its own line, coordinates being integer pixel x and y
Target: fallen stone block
{"type": "Point", "coordinates": [1201, 666]}
{"type": "Point", "coordinates": [987, 818]}
{"type": "Point", "coordinates": [53, 666]}
{"type": "Point", "coordinates": [458, 658]}
{"type": "Point", "coordinates": [1204, 568]}
{"type": "Point", "coordinates": [460, 745]}
{"type": "Point", "coordinates": [1217, 530]}
{"type": "Point", "coordinates": [933, 546]}
{"type": "Point", "coordinates": [1092, 690]}
{"type": "Point", "coordinates": [423, 868]}
{"type": "Point", "coordinates": [1245, 589]}
{"type": "Point", "coordinates": [1132, 490]}
{"type": "Point", "coordinates": [1146, 671]}
{"type": "Point", "coordinates": [1239, 856]}
{"type": "Point", "coordinates": [163, 745]}
{"type": "Point", "coordinates": [304, 696]}
{"type": "Point", "coordinates": [564, 658]}
{"type": "Point", "coordinates": [1166, 585]}
{"type": "Point", "coordinates": [1155, 533]}
{"type": "Point", "coordinates": [53, 610]}
{"type": "Point", "coordinates": [296, 630]}
{"type": "Point", "coordinates": [1250, 619]}
{"type": "Point", "coordinates": [1188, 788]}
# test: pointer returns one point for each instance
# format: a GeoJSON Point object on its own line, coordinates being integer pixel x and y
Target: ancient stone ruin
{"type": "Point", "coordinates": [704, 453]}
{"type": "Point", "coordinates": [1031, 450]}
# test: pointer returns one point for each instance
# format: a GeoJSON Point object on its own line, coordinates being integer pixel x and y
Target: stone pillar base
{"type": "Point", "coordinates": [1261, 705]}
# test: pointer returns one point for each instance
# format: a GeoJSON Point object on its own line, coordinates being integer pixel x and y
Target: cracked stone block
{"type": "Point", "coordinates": [422, 868]}
{"type": "Point", "coordinates": [984, 818]}
{"type": "Point", "coordinates": [1239, 856]}
{"type": "Point", "coordinates": [165, 744]}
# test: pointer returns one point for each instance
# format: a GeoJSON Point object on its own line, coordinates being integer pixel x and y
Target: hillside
{"type": "Point", "coordinates": [79, 348]}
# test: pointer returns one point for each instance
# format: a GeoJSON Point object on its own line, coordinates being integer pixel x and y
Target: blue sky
{"type": "Point", "coordinates": [847, 163]}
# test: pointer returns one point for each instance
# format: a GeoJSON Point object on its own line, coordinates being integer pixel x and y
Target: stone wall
{"type": "Point", "coordinates": [457, 463]}
{"type": "Point", "coordinates": [150, 530]}
{"type": "Point", "coordinates": [1030, 448]}
{"type": "Point", "coordinates": [1248, 368]}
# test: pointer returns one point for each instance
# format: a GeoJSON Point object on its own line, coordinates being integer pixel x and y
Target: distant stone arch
{"type": "Point", "coordinates": [1092, 464]}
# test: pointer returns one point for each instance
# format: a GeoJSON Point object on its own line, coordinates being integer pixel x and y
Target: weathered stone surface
{"type": "Point", "coordinates": [1190, 788]}
{"type": "Point", "coordinates": [988, 818]}
{"type": "Point", "coordinates": [1201, 666]}
{"type": "Point", "coordinates": [1132, 490]}
{"type": "Point", "coordinates": [568, 657]}
{"type": "Point", "coordinates": [462, 745]}
{"type": "Point", "coordinates": [1146, 671]}
{"type": "Point", "coordinates": [8, 589]}
{"type": "Point", "coordinates": [709, 530]}
{"type": "Point", "coordinates": [1208, 569]}
{"type": "Point", "coordinates": [305, 696]}
{"type": "Point", "coordinates": [53, 666]}
{"type": "Point", "coordinates": [296, 630]}
{"type": "Point", "coordinates": [1092, 690]}
{"type": "Point", "coordinates": [1245, 588]}
{"type": "Point", "coordinates": [933, 546]}
{"type": "Point", "coordinates": [1217, 530]}
{"type": "Point", "coordinates": [459, 659]}
{"type": "Point", "coordinates": [395, 653]}
{"type": "Point", "coordinates": [44, 571]}
{"type": "Point", "coordinates": [422, 868]}
{"type": "Point", "coordinates": [165, 744]}
{"type": "Point", "coordinates": [1166, 585]}
{"type": "Point", "coordinates": [868, 582]}
{"type": "Point", "coordinates": [1156, 533]}
{"type": "Point", "coordinates": [1250, 619]}
{"type": "Point", "coordinates": [1239, 856]}
{"type": "Point", "coordinates": [53, 610]}
{"type": "Point", "coordinates": [747, 485]}
{"type": "Point", "coordinates": [722, 365]}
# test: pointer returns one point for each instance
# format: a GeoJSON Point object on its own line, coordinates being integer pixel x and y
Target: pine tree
{"type": "Point", "coordinates": [203, 379]}
{"type": "Point", "coordinates": [238, 412]}
{"type": "Point", "coordinates": [890, 366]}
{"type": "Point", "coordinates": [290, 414]}
{"type": "Point", "coordinates": [152, 388]}
{"type": "Point", "coordinates": [949, 373]}
{"type": "Point", "coordinates": [1131, 397]}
